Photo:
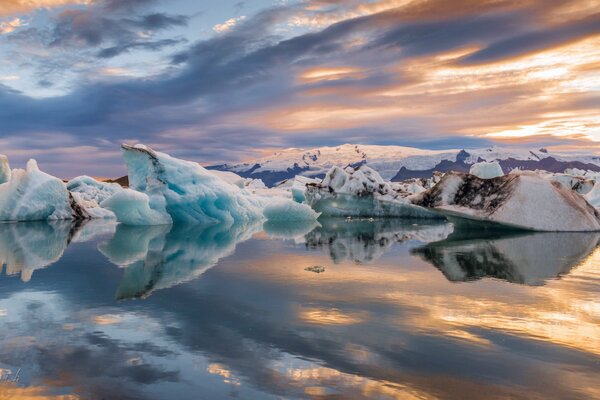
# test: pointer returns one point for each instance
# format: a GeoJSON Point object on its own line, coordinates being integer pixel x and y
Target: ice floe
{"type": "Point", "coordinates": [361, 192]}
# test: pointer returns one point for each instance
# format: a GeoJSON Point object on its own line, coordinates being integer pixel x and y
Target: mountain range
{"type": "Point", "coordinates": [397, 163]}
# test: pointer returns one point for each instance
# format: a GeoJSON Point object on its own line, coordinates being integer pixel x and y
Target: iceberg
{"type": "Point", "coordinates": [165, 190]}
{"type": "Point", "coordinates": [486, 170]}
{"type": "Point", "coordinates": [520, 200]}
{"type": "Point", "coordinates": [361, 192]}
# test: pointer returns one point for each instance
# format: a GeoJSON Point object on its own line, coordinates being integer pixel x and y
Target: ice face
{"type": "Point", "coordinates": [486, 170]}
{"type": "Point", "coordinates": [32, 195]}
{"type": "Point", "coordinates": [133, 208]}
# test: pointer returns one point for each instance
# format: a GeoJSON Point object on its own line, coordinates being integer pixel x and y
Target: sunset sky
{"type": "Point", "coordinates": [217, 80]}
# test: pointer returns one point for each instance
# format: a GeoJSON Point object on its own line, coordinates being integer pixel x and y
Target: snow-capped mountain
{"type": "Point", "coordinates": [397, 163]}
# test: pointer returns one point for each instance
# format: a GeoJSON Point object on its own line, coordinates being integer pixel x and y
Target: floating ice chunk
{"type": "Point", "coordinates": [181, 191]}
{"type": "Point", "coordinates": [523, 200]}
{"type": "Point", "coordinates": [254, 184]}
{"type": "Point", "coordinates": [486, 170]}
{"type": "Point", "coordinates": [91, 189]}
{"type": "Point", "coordinates": [361, 192]}
{"type": "Point", "coordinates": [286, 210]}
{"type": "Point", "coordinates": [133, 208]}
{"type": "Point", "coordinates": [4, 169]}
{"type": "Point", "coordinates": [185, 190]}
{"type": "Point", "coordinates": [32, 195]}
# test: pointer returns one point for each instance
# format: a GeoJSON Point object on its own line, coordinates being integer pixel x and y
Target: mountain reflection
{"type": "Point", "coordinates": [158, 257]}
{"type": "Point", "coordinates": [529, 259]}
{"type": "Point", "coordinates": [365, 240]}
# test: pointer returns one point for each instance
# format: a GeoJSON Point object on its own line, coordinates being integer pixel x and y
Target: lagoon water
{"type": "Point", "coordinates": [399, 310]}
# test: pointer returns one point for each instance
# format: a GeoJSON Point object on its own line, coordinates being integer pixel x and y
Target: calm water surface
{"type": "Point", "coordinates": [402, 310]}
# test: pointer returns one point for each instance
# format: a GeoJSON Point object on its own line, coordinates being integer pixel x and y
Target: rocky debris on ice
{"type": "Point", "coordinates": [486, 170]}
{"type": "Point", "coordinates": [523, 200]}
{"type": "Point", "coordinates": [361, 192]}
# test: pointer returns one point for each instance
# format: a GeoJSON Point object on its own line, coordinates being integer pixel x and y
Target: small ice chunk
{"type": "Point", "coordinates": [486, 170]}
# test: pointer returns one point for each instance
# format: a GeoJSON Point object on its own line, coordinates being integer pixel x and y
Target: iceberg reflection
{"type": "Point", "coordinates": [525, 258]}
{"type": "Point", "coordinates": [27, 246]}
{"type": "Point", "coordinates": [158, 257]}
{"type": "Point", "coordinates": [365, 240]}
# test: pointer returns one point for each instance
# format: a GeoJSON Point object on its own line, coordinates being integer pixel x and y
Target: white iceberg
{"type": "Point", "coordinates": [486, 170]}
{"type": "Point", "coordinates": [32, 195]}
{"type": "Point", "coordinates": [361, 192]}
{"type": "Point", "coordinates": [522, 200]}
{"type": "Point", "coordinates": [4, 169]}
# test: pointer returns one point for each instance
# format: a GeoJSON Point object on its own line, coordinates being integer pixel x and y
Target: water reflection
{"type": "Point", "coordinates": [365, 240]}
{"type": "Point", "coordinates": [258, 326]}
{"type": "Point", "coordinates": [158, 257]}
{"type": "Point", "coordinates": [528, 259]}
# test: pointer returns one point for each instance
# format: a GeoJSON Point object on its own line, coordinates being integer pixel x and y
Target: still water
{"type": "Point", "coordinates": [359, 309]}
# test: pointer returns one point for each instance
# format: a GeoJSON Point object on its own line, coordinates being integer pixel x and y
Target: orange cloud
{"type": "Point", "coordinates": [12, 7]}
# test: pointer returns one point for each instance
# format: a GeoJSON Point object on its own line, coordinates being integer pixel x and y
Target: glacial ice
{"type": "Point", "coordinates": [522, 200]}
{"type": "Point", "coordinates": [361, 192]}
{"type": "Point", "coordinates": [278, 210]}
{"type": "Point", "coordinates": [486, 170]}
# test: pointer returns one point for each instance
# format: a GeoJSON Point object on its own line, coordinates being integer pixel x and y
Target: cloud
{"type": "Point", "coordinates": [394, 74]}
{"type": "Point", "coordinates": [227, 25]}
{"type": "Point", "coordinates": [11, 7]}
{"type": "Point", "coordinates": [10, 26]}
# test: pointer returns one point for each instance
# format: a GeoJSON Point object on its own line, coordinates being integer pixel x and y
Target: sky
{"type": "Point", "coordinates": [216, 81]}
